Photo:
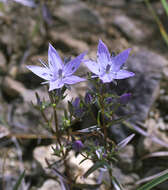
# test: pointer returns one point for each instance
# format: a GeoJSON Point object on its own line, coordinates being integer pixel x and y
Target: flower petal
{"type": "Point", "coordinates": [73, 65]}
{"type": "Point", "coordinates": [107, 77]}
{"type": "Point", "coordinates": [120, 59]}
{"type": "Point", "coordinates": [54, 60]}
{"type": "Point", "coordinates": [103, 54]}
{"type": "Point", "coordinates": [122, 74]}
{"type": "Point", "coordinates": [40, 71]}
{"type": "Point", "coordinates": [92, 66]}
{"type": "Point", "coordinates": [73, 79]}
{"type": "Point", "coordinates": [55, 84]}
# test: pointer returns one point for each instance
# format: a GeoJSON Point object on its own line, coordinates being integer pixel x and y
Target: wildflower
{"type": "Point", "coordinates": [109, 100]}
{"type": "Point", "coordinates": [88, 98]}
{"type": "Point", "coordinates": [77, 110]}
{"type": "Point", "coordinates": [76, 103]}
{"type": "Point", "coordinates": [57, 73]}
{"type": "Point", "coordinates": [124, 99]}
{"type": "Point", "coordinates": [28, 3]}
{"type": "Point", "coordinates": [109, 67]}
{"type": "Point", "coordinates": [77, 145]}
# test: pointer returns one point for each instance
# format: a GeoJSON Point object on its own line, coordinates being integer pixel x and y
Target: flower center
{"type": "Point", "coordinates": [60, 73]}
{"type": "Point", "coordinates": [108, 68]}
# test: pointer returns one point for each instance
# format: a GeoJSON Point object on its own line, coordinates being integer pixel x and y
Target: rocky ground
{"type": "Point", "coordinates": [74, 26]}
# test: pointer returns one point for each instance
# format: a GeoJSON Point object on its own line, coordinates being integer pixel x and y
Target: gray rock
{"type": "Point", "coordinates": [126, 156]}
{"type": "Point", "coordinates": [145, 85]}
{"type": "Point", "coordinates": [3, 66]}
{"type": "Point", "coordinates": [13, 89]}
{"type": "Point", "coordinates": [131, 28]}
{"type": "Point", "coordinates": [50, 184]}
{"type": "Point", "coordinates": [8, 182]}
{"type": "Point", "coordinates": [45, 152]}
{"type": "Point", "coordinates": [79, 16]}
{"type": "Point", "coordinates": [73, 45]}
{"type": "Point", "coordinates": [126, 180]}
{"type": "Point", "coordinates": [147, 145]}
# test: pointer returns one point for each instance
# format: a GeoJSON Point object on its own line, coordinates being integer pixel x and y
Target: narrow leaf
{"type": "Point", "coordinates": [158, 21]}
{"type": "Point", "coordinates": [124, 142]}
{"type": "Point", "coordinates": [98, 118]}
{"type": "Point", "coordinates": [116, 184]}
{"type": "Point", "coordinates": [99, 164]}
{"type": "Point", "coordinates": [145, 134]}
{"type": "Point", "coordinates": [19, 181]}
{"type": "Point", "coordinates": [165, 6]}
{"type": "Point", "coordinates": [163, 177]}
{"type": "Point", "coordinates": [89, 129]}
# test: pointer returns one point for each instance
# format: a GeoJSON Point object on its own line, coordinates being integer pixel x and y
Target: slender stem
{"type": "Point", "coordinates": [55, 118]}
{"type": "Point", "coordinates": [92, 114]}
{"type": "Point", "coordinates": [111, 176]}
{"type": "Point", "coordinates": [46, 120]}
{"type": "Point", "coordinates": [103, 126]}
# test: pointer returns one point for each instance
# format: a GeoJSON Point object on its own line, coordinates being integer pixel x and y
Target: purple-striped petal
{"type": "Point", "coordinates": [119, 60]}
{"type": "Point", "coordinates": [54, 60]}
{"type": "Point", "coordinates": [103, 54]}
{"type": "Point", "coordinates": [73, 79]}
{"type": "Point", "coordinates": [55, 84]}
{"type": "Point", "coordinates": [92, 66]}
{"type": "Point", "coordinates": [73, 65]}
{"type": "Point", "coordinates": [107, 77]}
{"type": "Point", "coordinates": [122, 74]}
{"type": "Point", "coordinates": [42, 72]}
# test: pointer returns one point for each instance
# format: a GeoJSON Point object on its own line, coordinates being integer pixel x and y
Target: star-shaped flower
{"type": "Point", "coordinates": [57, 73]}
{"type": "Point", "coordinates": [108, 67]}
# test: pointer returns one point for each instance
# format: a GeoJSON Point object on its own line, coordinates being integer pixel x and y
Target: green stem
{"type": "Point", "coordinates": [111, 177]}
{"type": "Point", "coordinates": [55, 118]}
{"type": "Point", "coordinates": [103, 126]}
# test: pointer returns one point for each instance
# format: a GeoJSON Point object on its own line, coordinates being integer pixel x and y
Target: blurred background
{"type": "Point", "coordinates": [72, 27]}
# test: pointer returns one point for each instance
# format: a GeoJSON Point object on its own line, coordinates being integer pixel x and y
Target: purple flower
{"type": "Point", "coordinates": [76, 103]}
{"type": "Point", "coordinates": [28, 3]}
{"type": "Point", "coordinates": [77, 145]}
{"type": "Point", "coordinates": [77, 110]}
{"type": "Point", "coordinates": [109, 100]}
{"type": "Point", "coordinates": [57, 73]}
{"type": "Point", "coordinates": [109, 67]}
{"type": "Point", "coordinates": [88, 98]}
{"type": "Point", "coordinates": [125, 98]}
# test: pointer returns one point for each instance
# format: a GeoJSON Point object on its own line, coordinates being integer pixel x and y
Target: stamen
{"type": "Point", "coordinates": [60, 73]}
{"type": "Point", "coordinates": [43, 63]}
{"type": "Point", "coordinates": [108, 68]}
{"type": "Point", "coordinates": [113, 54]}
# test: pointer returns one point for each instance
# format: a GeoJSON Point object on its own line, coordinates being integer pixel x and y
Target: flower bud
{"type": "Point", "coordinates": [109, 100]}
{"type": "Point", "coordinates": [77, 110]}
{"type": "Point", "coordinates": [77, 145]}
{"type": "Point", "coordinates": [125, 98]}
{"type": "Point", "coordinates": [76, 103]}
{"type": "Point", "coordinates": [88, 98]}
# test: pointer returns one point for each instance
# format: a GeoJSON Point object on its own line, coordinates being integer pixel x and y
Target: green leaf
{"type": "Point", "coordinates": [82, 161]}
{"type": "Point", "coordinates": [98, 164]}
{"type": "Point", "coordinates": [116, 121]}
{"type": "Point", "coordinates": [116, 184]}
{"type": "Point", "coordinates": [153, 183]}
{"type": "Point", "coordinates": [98, 118]}
{"type": "Point", "coordinates": [158, 21]}
{"type": "Point", "coordinates": [18, 183]}
{"type": "Point", "coordinates": [165, 6]}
